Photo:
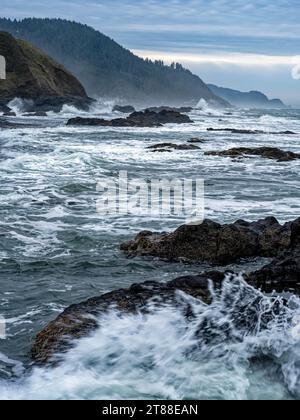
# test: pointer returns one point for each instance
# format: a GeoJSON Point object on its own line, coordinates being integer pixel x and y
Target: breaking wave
{"type": "Point", "coordinates": [243, 346]}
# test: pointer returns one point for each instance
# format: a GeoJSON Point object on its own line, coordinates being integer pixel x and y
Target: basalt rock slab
{"type": "Point", "coordinates": [79, 320]}
{"type": "Point", "coordinates": [136, 119]}
{"type": "Point", "coordinates": [264, 152]}
{"type": "Point", "coordinates": [168, 147]}
{"type": "Point", "coordinates": [214, 243]}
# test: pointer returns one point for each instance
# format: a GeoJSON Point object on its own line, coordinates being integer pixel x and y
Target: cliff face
{"type": "Point", "coordinates": [31, 74]}
{"type": "Point", "coordinates": [253, 99]}
{"type": "Point", "coordinates": [106, 69]}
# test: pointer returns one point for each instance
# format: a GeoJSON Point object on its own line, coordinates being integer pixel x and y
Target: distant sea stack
{"type": "Point", "coordinates": [108, 70]}
{"type": "Point", "coordinates": [253, 99]}
{"type": "Point", "coordinates": [37, 78]}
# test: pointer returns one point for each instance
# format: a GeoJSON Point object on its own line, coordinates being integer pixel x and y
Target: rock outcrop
{"type": "Point", "coordinates": [281, 275]}
{"type": "Point", "coordinates": [264, 152]}
{"type": "Point", "coordinates": [136, 119]}
{"type": "Point", "coordinates": [37, 78]}
{"type": "Point", "coordinates": [78, 320]}
{"type": "Point", "coordinates": [214, 243]}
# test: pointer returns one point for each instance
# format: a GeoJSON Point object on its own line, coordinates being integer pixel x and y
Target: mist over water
{"type": "Point", "coordinates": [56, 250]}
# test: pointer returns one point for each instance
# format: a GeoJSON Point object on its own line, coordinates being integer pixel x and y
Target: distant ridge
{"type": "Point", "coordinates": [253, 99]}
{"type": "Point", "coordinates": [108, 70]}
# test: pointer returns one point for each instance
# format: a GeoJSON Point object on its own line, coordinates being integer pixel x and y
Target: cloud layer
{"type": "Point", "coordinates": [232, 32]}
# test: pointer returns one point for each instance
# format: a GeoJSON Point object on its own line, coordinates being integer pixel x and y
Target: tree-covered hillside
{"type": "Point", "coordinates": [108, 70]}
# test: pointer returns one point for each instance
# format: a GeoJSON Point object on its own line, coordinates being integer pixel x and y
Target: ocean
{"type": "Point", "coordinates": [56, 249]}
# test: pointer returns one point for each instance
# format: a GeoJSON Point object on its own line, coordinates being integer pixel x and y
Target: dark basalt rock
{"type": "Point", "coordinates": [214, 243]}
{"type": "Point", "coordinates": [125, 109]}
{"type": "Point", "coordinates": [79, 320]}
{"type": "Point", "coordinates": [168, 147]}
{"type": "Point", "coordinates": [283, 273]}
{"type": "Point", "coordinates": [264, 152]}
{"type": "Point", "coordinates": [240, 131]}
{"type": "Point", "coordinates": [183, 109]}
{"type": "Point", "coordinates": [136, 119]}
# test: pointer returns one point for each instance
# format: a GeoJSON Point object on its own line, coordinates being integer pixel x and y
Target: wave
{"type": "Point", "coordinates": [243, 346]}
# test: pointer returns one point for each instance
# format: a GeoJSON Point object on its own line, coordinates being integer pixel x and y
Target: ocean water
{"type": "Point", "coordinates": [56, 249]}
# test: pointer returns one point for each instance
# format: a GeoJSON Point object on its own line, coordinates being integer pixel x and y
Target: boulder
{"type": "Point", "coordinates": [183, 109]}
{"type": "Point", "coordinates": [214, 243]}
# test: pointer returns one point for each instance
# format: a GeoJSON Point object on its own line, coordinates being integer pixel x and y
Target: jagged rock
{"type": "Point", "coordinates": [136, 119]}
{"type": "Point", "coordinates": [79, 320]}
{"type": "Point", "coordinates": [214, 243]}
{"type": "Point", "coordinates": [264, 152]}
{"type": "Point", "coordinates": [241, 131]}
{"type": "Point", "coordinates": [126, 109]}
{"type": "Point", "coordinates": [168, 147]}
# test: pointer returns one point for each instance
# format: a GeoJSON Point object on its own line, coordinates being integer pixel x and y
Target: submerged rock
{"type": "Point", "coordinates": [264, 152]}
{"type": "Point", "coordinates": [136, 119]}
{"type": "Point", "coordinates": [214, 243]}
{"type": "Point", "coordinates": [124, 109]}
{"type": "Point", "coordinates": [196, 140]}
{"type": "Point", "coordinates": [241, 131]}
{"type": "Point", "coordinates": [168, 147]}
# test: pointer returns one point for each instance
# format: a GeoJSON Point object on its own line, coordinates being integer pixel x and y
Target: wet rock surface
{"type": "Point", "coordinates": [136, 119]}
{"type": "Point", "coordinates": [214, 243]}
{"type": "Point", "coordinates": [168, 147]}
{"type": "Point", "coordinates": [264, 152]}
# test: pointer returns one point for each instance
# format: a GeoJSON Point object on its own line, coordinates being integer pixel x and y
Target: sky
{"type": "Point", "coordinates": [251, 45]}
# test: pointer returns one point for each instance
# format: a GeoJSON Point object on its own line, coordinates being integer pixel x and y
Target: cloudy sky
{"type": "Point", "coordinates": [234, 43]}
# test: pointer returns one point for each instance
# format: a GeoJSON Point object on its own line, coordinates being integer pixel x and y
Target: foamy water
{"type": "Point", "coordinates": [56, 250]}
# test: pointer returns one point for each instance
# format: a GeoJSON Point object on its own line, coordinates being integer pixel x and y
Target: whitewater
{"type": "Point", "coordinates": [56, 250]}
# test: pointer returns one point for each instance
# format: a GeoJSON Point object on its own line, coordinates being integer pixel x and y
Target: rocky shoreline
{"type": "Point", "coordinates": [265, 237]}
